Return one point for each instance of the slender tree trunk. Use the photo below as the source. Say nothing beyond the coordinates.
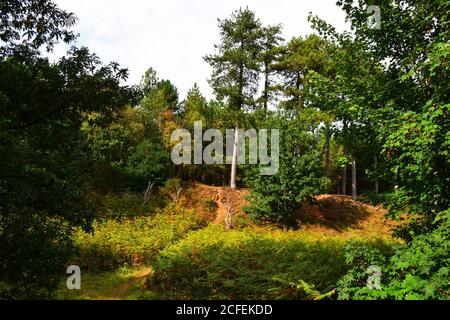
(266, 85)
(327, 152)
(344, 170)
(396, 179)
(375, 164)
(240, 103)
(344, 181)
(344, 173)
(354, 194)
(234, 159)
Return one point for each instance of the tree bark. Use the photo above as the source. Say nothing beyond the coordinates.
(344, 181)
(234, 159)
(344, 170)
(344, 173)
(266, 85)
(354, 194)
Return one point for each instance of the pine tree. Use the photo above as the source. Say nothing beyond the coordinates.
(236, 66)
(270, 53)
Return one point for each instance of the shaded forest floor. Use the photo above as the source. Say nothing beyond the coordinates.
(193, 247)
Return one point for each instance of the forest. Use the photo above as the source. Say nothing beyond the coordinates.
(355, 123)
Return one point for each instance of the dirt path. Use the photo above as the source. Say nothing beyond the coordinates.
(120, 292)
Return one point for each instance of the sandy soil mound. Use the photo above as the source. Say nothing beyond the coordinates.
(328, 214)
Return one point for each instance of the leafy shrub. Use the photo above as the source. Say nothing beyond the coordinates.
(150, 161)
(210, 204)
(129, 204)
(300, 175)
(417, 270)
(103, 176)
(171, 186)
(32, 269)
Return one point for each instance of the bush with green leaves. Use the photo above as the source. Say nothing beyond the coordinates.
(418, 270)
(150, 162)
(299, 178)
(128, 204)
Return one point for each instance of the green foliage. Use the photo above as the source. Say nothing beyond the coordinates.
(252, 263)
(270, 53)
(303, 289)
(110, 145)
(195, 108)
(132, 241)
(235, 64)
(299, 178)
(407, 103)
(412, 97)
(298, 59)
(418, 270)
(42, 108)
(127, 204)
(67, 127)
(34, 250)
(29, 31)
(210, 204)
(108, 285)
(421, 152)
(149, 161)
(159, 95)
(172, 185)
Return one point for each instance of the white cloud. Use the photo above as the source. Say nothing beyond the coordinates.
(172, 36)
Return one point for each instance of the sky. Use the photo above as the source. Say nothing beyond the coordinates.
(173, 36)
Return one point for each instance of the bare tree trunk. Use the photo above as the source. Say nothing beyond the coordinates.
(396, 179)
(375, 164)
(148, 192)
(344, 170)
(234, 159)
(354, 194)
(176, 197)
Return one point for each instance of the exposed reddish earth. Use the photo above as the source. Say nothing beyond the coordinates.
(329, 214)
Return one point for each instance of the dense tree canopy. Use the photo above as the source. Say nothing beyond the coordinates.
(43, 106)
(373, 100)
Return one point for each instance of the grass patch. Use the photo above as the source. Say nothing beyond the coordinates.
(123, 283)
